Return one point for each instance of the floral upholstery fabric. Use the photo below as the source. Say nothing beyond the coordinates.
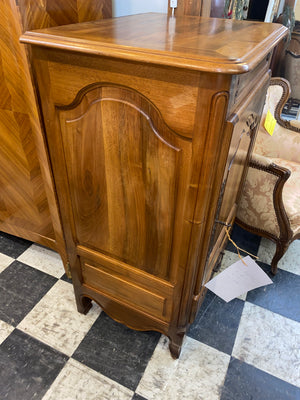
(284, 143)
(295, 123)
(291, 193)
(256, 205)
(256, 208)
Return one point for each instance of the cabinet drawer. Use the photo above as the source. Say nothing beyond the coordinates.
(124, 291)
(123, 283)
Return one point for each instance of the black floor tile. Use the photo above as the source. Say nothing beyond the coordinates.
(245, 382)
(282, 297)
(27, 367)
(245, 240)
(217, 322)
(13, 246)
(66, 279)
(138, 397)
(116, 351)
(21, 287)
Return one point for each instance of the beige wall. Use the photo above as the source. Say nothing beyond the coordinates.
(127, 7)
(297, 10)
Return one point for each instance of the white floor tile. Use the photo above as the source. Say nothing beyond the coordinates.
(198, 374)
(289, 262)
(78, 382)
(56, 321)
(270, 342)
(230, 258)
(45, 260)
(5, 261)
(5, 330)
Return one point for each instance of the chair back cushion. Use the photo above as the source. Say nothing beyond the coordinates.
(284, 143)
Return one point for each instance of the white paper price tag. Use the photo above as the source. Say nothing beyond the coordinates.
(238, 279)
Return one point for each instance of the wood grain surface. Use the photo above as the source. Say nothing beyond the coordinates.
(149, 132)
(48, 13)
(24, 209)
(214, 45)
(28, 204)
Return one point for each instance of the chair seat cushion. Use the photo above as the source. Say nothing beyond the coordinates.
(291, 193)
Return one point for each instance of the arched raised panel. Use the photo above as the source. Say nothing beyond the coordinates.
(123, 167)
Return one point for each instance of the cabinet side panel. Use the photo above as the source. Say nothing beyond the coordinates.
(242, 125)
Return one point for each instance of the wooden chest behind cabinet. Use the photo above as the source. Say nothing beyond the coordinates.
(149, 121)
(28, 206)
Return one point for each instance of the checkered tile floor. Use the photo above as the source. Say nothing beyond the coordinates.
(246, 349)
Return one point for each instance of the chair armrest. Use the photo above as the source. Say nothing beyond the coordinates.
(261, 208)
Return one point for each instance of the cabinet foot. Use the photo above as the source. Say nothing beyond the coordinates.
(84, 304)
(176, 344)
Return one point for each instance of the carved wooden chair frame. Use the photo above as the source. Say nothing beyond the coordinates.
(286, 236)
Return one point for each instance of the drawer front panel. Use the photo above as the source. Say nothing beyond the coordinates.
(126, 284)
(123, 290)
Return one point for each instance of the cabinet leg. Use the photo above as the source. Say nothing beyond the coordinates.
(84, 304)
(175, 344)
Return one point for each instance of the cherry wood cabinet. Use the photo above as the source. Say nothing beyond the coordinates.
(28, 205)
(150, 122)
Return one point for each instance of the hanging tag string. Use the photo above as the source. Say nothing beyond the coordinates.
(238, 248)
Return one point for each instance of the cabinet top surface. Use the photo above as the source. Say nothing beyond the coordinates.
(204, 44)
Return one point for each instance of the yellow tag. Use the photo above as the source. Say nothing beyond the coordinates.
(270, 123)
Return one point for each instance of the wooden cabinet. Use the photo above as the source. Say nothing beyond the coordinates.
(27, 196)
(150, 122)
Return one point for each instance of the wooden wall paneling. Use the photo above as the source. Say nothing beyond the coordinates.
(193, 7)
(47, 13)
(188, 7)
(28, 204)
(206, 8)
(24, 209)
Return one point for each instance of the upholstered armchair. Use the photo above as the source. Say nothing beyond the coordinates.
(270, 201)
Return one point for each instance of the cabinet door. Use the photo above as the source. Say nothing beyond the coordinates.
(243, 123)
(126, 184)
